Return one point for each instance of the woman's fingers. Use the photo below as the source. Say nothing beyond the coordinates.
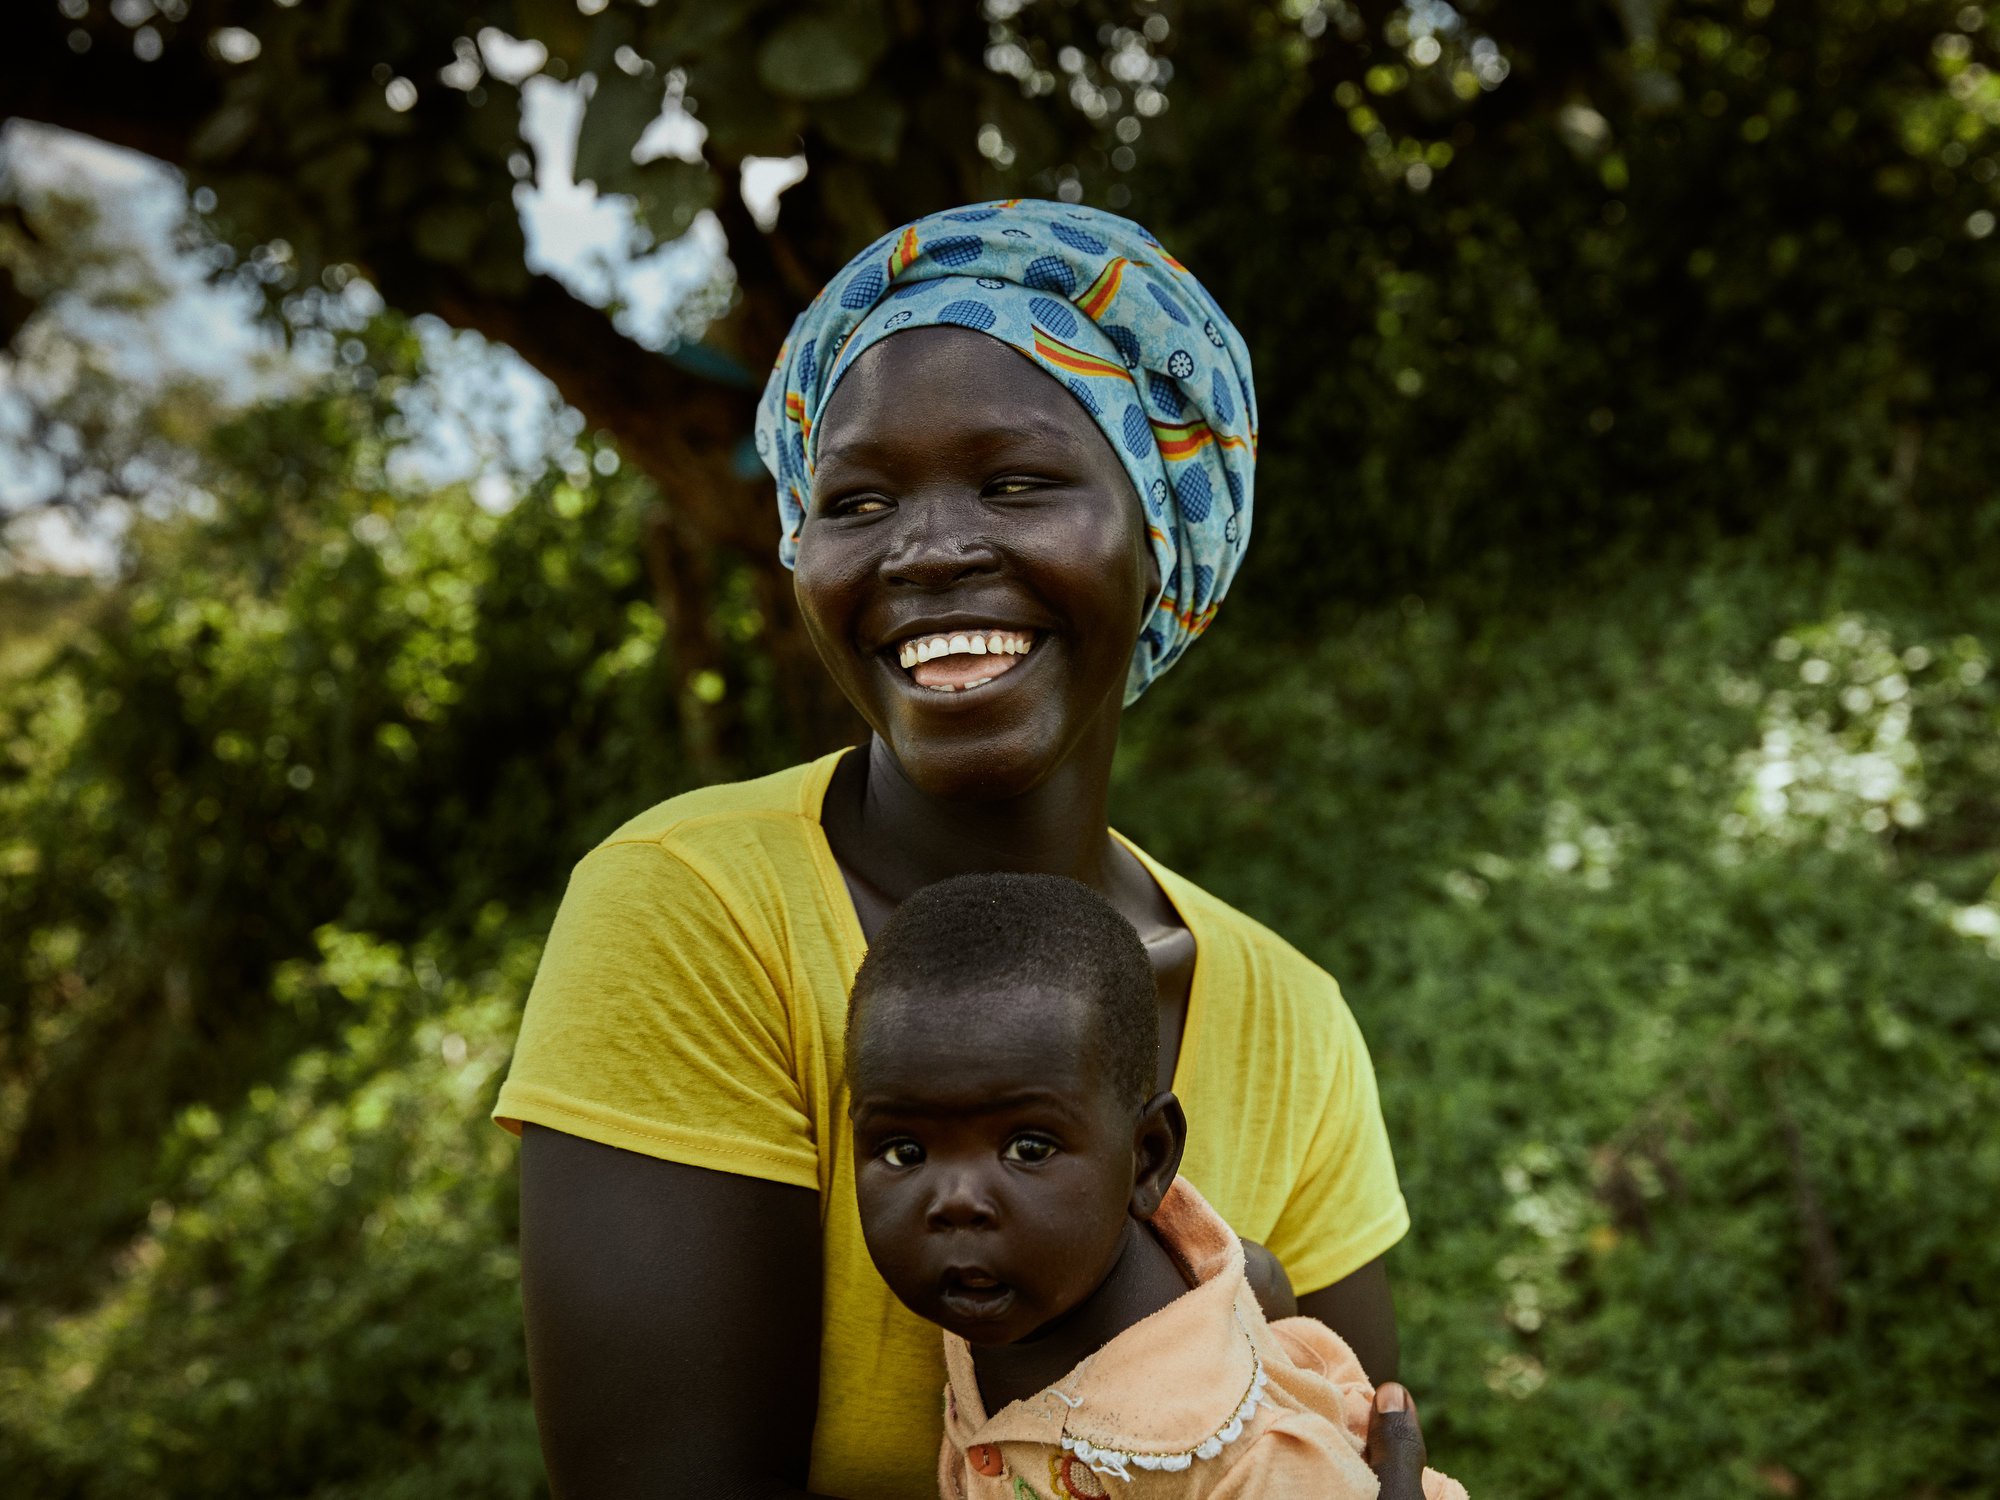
(1396, 1444)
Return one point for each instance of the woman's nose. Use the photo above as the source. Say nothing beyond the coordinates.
(959, 1200)
(939, 540)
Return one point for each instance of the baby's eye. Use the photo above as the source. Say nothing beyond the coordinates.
(1029, 1150)
(902, 1153)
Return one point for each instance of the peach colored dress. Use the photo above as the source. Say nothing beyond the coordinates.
(1205, 1399)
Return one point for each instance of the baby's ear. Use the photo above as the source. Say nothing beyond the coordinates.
(1158, 1137)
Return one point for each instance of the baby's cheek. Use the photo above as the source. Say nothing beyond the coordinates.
(1080, 1232)
(880, 1227)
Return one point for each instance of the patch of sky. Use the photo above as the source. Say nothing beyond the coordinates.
(594, 244)
(149, 314)
(135, 319)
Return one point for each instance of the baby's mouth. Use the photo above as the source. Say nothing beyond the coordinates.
(974, 1296)
(963, 659)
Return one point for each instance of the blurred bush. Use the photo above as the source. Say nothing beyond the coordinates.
(326, 1300)
(1672, 916)
(322, 704)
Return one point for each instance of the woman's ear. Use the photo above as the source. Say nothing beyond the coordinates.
(1158, 1137)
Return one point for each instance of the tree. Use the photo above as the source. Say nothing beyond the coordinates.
(376, 137)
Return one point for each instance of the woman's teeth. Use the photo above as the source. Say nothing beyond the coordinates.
(980, 643)
(970, 659)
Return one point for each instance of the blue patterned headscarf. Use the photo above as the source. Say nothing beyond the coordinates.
(1092, 299)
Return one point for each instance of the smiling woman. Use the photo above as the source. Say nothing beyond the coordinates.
(1013, 447)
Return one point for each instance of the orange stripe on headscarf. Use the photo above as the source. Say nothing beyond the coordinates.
(904, 253)
(1180, 439)
(1097, 296)
(1188, 619)
(795, 408)
(1056, 352)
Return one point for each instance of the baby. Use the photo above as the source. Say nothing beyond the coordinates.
(1015, 1173)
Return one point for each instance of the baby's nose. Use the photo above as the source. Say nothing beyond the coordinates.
(960, 1200)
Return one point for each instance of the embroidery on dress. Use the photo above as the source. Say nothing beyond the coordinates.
(1118, 1461)
(1073, 1479)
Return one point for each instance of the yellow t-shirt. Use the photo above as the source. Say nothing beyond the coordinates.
(692, 1003)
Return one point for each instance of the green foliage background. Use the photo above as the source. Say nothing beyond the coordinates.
(1610, 702)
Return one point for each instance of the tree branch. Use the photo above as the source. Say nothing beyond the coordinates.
(679, 428)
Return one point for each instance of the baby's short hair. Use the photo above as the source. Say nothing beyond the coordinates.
(984, 933)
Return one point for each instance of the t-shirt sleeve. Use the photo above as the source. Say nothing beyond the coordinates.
(1347, 1207)
(654, 1026)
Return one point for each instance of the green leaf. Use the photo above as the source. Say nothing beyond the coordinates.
(869, 125)
(499, 266)
(671, 33)
(449, 231)
(222, 132)
(742, 118)
(670, 192)
(616, 117)
(556, 24)
(331, 176)
(820, 56)
(493, 128)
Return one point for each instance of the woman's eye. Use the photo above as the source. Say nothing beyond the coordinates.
(1013, 486)
(902, 1153)
(1030, 1150)
(859, 505)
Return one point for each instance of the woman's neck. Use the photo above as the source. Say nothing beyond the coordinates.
(1143, 1279)
(896, 838)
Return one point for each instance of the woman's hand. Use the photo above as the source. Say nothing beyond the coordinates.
(1396, 1444)
(1395, 1448)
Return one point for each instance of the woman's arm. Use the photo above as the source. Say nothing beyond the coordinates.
(673, 1324)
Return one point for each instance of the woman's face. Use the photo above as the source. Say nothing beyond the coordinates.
(963, 500)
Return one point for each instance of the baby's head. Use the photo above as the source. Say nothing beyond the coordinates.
(1001, 1050)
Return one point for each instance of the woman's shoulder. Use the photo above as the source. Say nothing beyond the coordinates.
(722, 853)
(788, 799)
(722, 876)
